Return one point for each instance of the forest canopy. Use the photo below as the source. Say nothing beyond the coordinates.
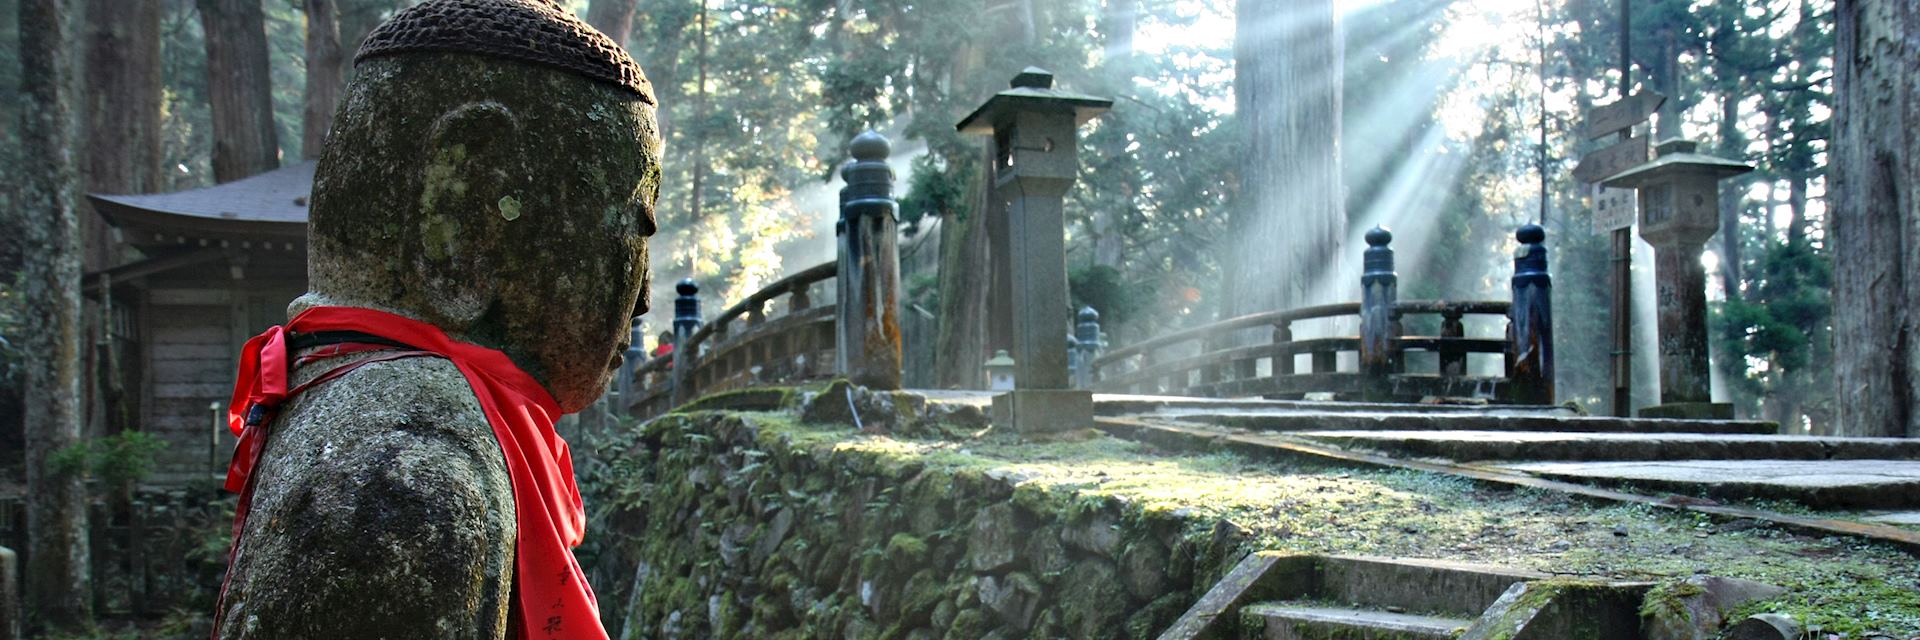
(1452, 112)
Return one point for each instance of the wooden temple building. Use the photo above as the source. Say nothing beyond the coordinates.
(214, 266)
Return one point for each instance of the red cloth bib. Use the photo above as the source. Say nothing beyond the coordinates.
(552, 598)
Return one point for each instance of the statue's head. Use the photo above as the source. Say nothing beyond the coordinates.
(492, 170)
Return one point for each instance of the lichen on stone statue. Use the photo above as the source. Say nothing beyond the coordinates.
(501, 191)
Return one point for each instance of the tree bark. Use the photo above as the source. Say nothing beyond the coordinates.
(323, 75)
(612, 17)
(57, 588)
(1875, 178)
(122, 118)
(966, 272)
(123, 97)
(240, 88)
(1288, 59)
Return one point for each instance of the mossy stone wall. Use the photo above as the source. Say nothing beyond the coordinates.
(736, 525)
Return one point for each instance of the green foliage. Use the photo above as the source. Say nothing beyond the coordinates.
(117, 460)
(1101, 287)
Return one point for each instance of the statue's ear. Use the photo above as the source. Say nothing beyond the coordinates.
(473, 181)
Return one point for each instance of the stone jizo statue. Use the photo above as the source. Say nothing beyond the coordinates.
(479, 231)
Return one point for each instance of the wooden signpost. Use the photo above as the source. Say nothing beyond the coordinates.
(1629, 153)
(1623, 114)
(1614, 213)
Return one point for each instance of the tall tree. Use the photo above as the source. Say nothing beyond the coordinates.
(1288, 62)
(323, 76)
(123, 96)
(968, 277)
(122, 111)
(240, 89)
(1119, 19)
(1875, 215)
(57, 577)
(612, 17)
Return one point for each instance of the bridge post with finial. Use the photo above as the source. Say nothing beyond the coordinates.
(686, 320)
(630, 360)
(1530, 320)
(867, 318)
(1380, 289)
(1033, 128)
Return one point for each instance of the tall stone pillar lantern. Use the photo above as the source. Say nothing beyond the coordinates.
(1679, 193)
(1032, 127)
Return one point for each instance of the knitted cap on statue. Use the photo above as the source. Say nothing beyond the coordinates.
(478, 231)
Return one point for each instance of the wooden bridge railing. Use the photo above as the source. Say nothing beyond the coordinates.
(856, 335)
(745, 345)
(1216, 360)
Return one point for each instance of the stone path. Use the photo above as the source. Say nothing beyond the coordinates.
(1717, 459)
(1469, 445)
(1692, 464)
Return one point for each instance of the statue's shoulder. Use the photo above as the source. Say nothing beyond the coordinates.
(388, 416)
(422, 396)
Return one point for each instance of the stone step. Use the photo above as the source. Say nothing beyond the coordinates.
(1564, 446)
(1274, 594)
(1399, 421)
(1303, 621)
(1820, 484)
(1413, 584)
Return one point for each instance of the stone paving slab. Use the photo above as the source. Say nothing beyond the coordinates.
(1122, 404)
(1822, 484)
(1300, 420)
(1567, 446)
(1117, 404)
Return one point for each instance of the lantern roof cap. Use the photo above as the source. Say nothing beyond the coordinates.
(1676, 156)
(1000, 359)
(1032, 90)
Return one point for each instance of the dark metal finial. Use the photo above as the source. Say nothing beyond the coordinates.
(1379, 236)
(870, 146)
(1530, 233)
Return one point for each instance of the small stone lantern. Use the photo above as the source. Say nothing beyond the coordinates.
(1679, 192)
(1000, 371)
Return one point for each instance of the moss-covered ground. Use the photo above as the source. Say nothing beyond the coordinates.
(1841, 586)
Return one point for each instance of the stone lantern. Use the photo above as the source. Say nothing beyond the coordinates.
(1679, 192)
(1000, 371)
(1033, 128)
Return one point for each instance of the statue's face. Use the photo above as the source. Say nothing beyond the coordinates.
(507, 203)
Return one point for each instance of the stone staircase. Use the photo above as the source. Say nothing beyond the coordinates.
(1280, 596)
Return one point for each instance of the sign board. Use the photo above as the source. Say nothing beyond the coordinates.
(1612, 160)
(1622, 114)
(1613, 208)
